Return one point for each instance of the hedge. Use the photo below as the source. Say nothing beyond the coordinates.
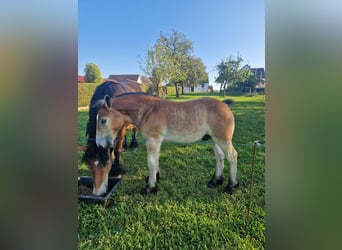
(86, 90)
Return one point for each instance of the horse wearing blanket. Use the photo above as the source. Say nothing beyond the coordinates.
(160, 120)
(103, 162)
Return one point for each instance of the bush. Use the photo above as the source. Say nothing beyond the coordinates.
(86, 90)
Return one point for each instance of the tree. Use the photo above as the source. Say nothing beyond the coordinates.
(176, 49)
(168, 60)
(92, 73)
(249, 82)
(229, 73)
(196, 73)
(153, 66)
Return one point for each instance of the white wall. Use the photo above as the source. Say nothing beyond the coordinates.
(198, 88)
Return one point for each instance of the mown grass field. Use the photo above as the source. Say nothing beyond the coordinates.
(185, 213)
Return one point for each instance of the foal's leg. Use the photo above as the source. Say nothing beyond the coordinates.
(218, 176)
(231, 155)
(153, 149)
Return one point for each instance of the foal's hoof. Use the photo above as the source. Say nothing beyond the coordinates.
(148, 190)
(214, 183)
(230, 188)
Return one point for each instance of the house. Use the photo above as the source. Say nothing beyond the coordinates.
(203, 87)
(143, 80)
(81, 79)
(259, 74)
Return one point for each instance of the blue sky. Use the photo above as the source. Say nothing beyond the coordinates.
(114, 34)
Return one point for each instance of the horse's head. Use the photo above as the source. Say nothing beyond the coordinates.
(108, 123)
(99, 162)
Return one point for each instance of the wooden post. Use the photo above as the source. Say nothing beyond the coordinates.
(251, 181)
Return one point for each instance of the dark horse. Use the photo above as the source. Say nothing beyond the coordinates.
(101, 161)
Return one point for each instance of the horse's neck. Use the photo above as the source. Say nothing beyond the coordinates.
(131, 108)
(134, 108)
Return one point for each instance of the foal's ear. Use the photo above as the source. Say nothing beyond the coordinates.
(107, 102)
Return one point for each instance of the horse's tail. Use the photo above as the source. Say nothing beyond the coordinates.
(229, 102)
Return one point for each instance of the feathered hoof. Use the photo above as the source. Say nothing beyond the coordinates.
(214, 183)
(148, 190)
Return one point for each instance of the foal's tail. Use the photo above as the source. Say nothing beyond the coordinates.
(229, 102)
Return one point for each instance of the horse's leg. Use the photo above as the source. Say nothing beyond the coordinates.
(134, 141)
(157, 176)
(124, 144)
(117, 167)
(217, 179)
(153, 149)
(122, 139)
(231, 155)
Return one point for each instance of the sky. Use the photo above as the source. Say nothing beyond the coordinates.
(115, 34)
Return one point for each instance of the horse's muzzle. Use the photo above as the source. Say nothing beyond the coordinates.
(104, 141)
(102, 189)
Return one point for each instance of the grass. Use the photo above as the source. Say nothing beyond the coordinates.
(184, 214)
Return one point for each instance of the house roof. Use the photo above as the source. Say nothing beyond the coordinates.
(124, 77)
(81, 79)
(131, 77)
(258, 72)
(145, 80)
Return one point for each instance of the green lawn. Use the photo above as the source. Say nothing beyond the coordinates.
(184, 214)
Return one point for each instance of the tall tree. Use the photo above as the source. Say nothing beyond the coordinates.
(153, 66)
(196, 72)
(229, 73)
(167, 59)
(175, 49)
(92, 73)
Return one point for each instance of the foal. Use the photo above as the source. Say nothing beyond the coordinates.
(160, 120)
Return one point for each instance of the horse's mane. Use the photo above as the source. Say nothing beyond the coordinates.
(130, 94)
(94, 152)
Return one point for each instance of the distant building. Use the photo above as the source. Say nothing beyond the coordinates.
(143, 80)
(81, 79)
(203, 87)
(259, 74)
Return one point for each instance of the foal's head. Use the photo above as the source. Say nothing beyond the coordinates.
(108, 124)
